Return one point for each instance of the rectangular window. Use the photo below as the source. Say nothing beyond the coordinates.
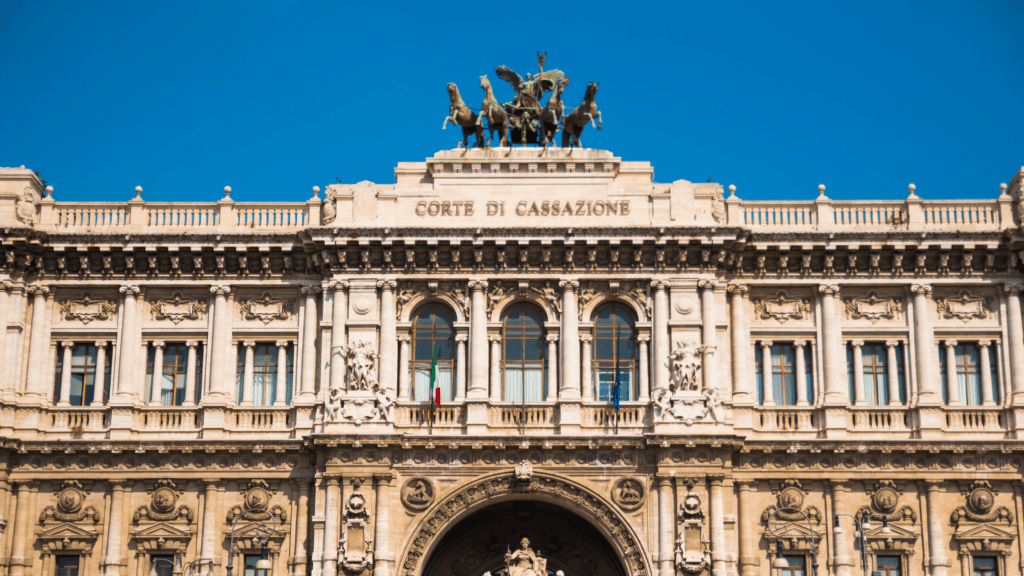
(968, 372)
(783, 372)
(888, 566)
(83, 375)
(250, 564)
(170, 385)
(67, 565)
(797, 566)
(266, 358)
(985, 566)
(875, 377)
(162, 565)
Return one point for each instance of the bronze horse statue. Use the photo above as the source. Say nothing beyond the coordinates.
(459, 113)
(551, 116)
(577, 120)
(491, 109)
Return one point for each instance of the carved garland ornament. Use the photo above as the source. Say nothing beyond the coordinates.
(782, 308)
(70, 498)
(255, 497)
(981, 499)
(265, 309)
(873, 307)
(466, 497)
(791, 495)
(86, 309)
(178, 308)
(964, 306)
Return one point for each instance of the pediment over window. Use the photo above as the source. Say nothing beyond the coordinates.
(794, 538)
(899, 540)
(985, 538)
(67, 539)
(249, 536)
(162, 538)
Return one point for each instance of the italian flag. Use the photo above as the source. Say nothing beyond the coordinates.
(435, 392)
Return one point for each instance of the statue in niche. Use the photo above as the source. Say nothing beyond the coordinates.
(361, 359)
(524, 561)
(685, 364)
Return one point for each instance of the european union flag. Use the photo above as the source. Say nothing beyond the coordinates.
(617, 388)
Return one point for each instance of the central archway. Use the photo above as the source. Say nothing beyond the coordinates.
(478, 543)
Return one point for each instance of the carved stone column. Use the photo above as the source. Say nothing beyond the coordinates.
(893, 372)
(331, 526)
(339, 314)
(842, 544)
(570, 360)
(660, 335)
(937, 541)
(100, 388)
(388, 337)
(403, 367)
(836, 389)
(858, 373)
(247, 374)
(708, 331)
(20, 562)
(208, 544)
(310, 320)
(552, 362)
(495, 340)
(219, 354)
(746, 522)
(113, 560)
(460, 367)
(718, 550)
(382, 545)
(588, 376)
(666, 525)
(952, 390)
(158, 373)
(65, 375)
(281, 390)
(1016, 342)
(478, 342)
(986, 373)
(801, 373)
(741, 381)
(645, 385)
(38, 347)
(5, 292)
(299, 544)
(766, 373)
(928, 392)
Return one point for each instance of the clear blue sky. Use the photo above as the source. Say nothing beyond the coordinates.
(272, 97)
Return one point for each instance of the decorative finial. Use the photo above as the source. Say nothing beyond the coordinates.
(138, 191)
(316, 191)
(227, 191)
(821, 189)
(732, 190)
(49, 191)
(1002, 188)
(911, 188)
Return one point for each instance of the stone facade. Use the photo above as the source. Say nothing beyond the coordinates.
(778, 364)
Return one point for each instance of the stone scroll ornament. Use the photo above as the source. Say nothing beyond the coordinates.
(355, 551)
(873, 307)
(266, 308)
(178, 308)
(86, 309)
(692, 555)
(964, 306)
(70, 498)
(163, 498)
(782, 308)
(25, 207)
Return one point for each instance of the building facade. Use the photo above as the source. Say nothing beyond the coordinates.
(641, 379)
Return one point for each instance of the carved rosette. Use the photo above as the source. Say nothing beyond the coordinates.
(163, 498)
(86, 309)
(782, 308)
(964, 307)
(178, 308)
(266, 308)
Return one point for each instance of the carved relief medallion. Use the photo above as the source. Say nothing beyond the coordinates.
(885, 496)
(86, 309)
(782, 308)
(964, 306)
(981, 500)
(70, 498)
(163, 498)
(178, 308)
(628, 494)
(417, 494)
(873, 307)
(791, 496)
(266, 308)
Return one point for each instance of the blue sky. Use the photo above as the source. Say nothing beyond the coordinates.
(273, 97)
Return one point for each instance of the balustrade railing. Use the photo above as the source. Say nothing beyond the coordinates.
(786, 419)
(527, 416)
(167, 419)
(880, 419)
(250, 418)
(77, 420)
(420, 416)
(635, 417)
(88, 216)
(779, 215)
(975, 419)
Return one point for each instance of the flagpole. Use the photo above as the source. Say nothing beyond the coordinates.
(433, 375)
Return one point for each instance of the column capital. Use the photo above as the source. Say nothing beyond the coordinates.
(839, 485)
(7, 286)
(211, 483)
(1014, 288)
(892, 343)
(40, 290)
(857, 343)
(552, 337)
(984, 343)
(643, 338)
(932, 485)
(799, 343)
(569, 285)
(737, 289)
(586, 338)
(494, 337)
(220, 290)
(950, 343)
(100, 343)
(158, 344)
(477, 284)
(664, 480)
(462, 337)
(120, 483)
(333, 480)
(707, 285)
(746, 485)
(337, 285)
(920, 289)
(659, 284)
(249, 343)
(383, 479)
(716, 479)
(387, 284)
(191, 343)
(829, 289)
(313, 290)
(766, 343)
(404, 338)
(282, 343)
(67, 344)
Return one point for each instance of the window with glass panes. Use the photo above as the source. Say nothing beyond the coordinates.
(797, 566)
(67, 565)
(614, 353)
(523, 357)
(888, 566)
(162, 565)
(968, 372)
(84, 387)
(783, 366)
(875, 378)
(433, 332)
(171, 384)
(266, 359)
(250, 561)
(985, 566)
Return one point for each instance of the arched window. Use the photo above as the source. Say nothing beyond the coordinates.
(433, 332)
(614, 352)
(522, 356)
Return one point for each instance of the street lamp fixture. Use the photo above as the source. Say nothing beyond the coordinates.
(785, 530)
(862, 525)
(263, 533)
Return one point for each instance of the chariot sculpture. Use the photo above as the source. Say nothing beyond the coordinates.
(524, 120)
